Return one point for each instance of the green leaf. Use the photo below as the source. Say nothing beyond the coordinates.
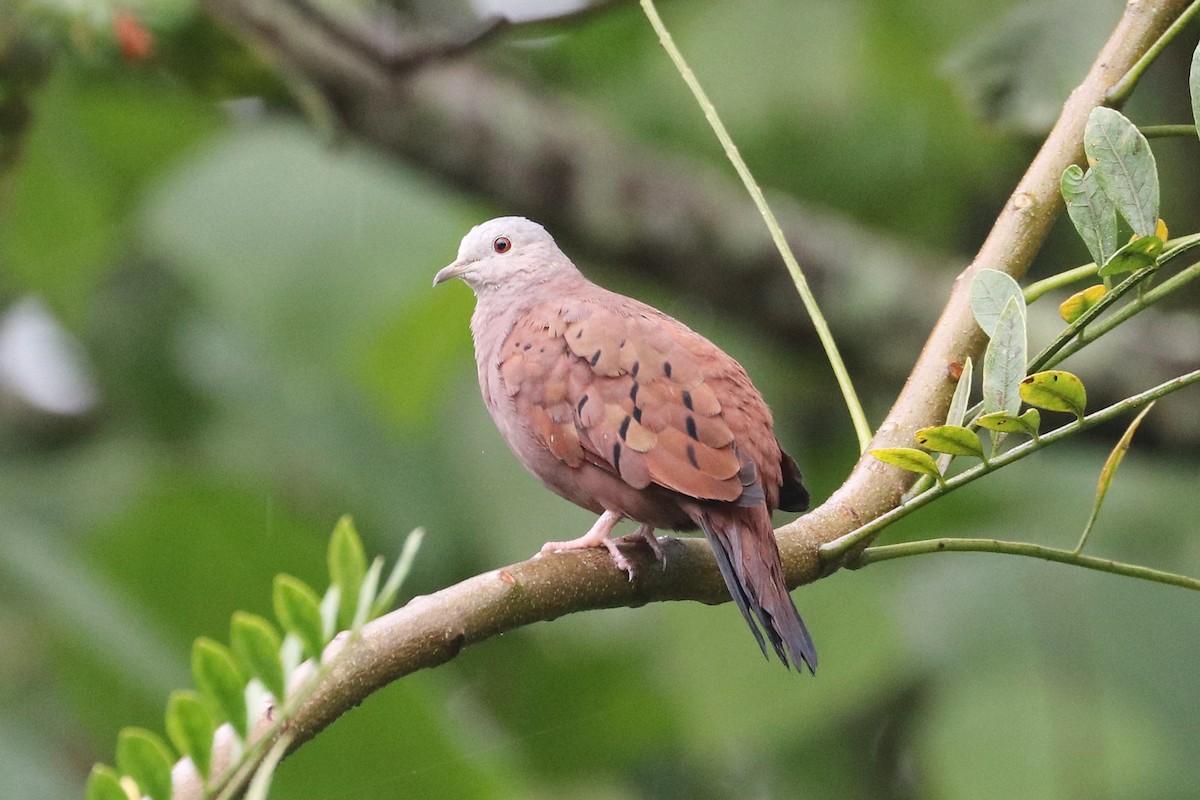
(1194, 83)
(190, 728)
(217, 675)
(366, 595)
(105, 784)
(1074, 306)
(952, 439)
(1109, 471)
(1055, 390)
(144, 757)
(990, 292)
(260, 784)
(1004, 362)
(957, 414)
(1091, 211)
(1027, 423)
(256, 644)
(1124, 166)
(1139, 253)
(908, 458)
(391, 587)
(347, 566)
(299, 609)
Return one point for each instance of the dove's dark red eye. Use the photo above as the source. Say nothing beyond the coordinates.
(502, 244)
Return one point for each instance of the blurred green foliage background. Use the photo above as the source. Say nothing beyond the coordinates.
(238, 343)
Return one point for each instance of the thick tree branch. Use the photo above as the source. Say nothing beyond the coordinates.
(433, 629)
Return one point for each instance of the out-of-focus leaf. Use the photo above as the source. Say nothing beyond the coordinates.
(190, 728)
(1139, 253)
(1074, 306)
(957, 413)
(260, 784)
(216, 674)
(1124, 165)
(256, 644)
(367, 594)
(1004, 362)
(908, 458)
(1004, 422)
(1092, 212)
(144, 757)
(953, 440)
(347, 566)
(93, 143)
(299, 609)
(1055, 390)
(1109, 471)
(105, 784)
(1194, 85)
(1016, 70)
(991, 291)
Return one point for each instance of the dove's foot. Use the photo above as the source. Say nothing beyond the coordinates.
(598, 536)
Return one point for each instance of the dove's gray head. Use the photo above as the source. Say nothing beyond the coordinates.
(506, 251)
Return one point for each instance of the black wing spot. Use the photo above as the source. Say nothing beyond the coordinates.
(595, 357)
(528, 345)
(633, 390)
(624, 427)
(617, 456)
(667, 368)
(579, 335)
(637, 414)
(691, 453)
(691, 428)
(579, 406)
(687, 400)
(634, 369)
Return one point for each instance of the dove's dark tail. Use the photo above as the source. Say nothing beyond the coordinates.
(744, 542)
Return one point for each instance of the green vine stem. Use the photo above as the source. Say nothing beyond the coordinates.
(1165, 131)
(887, 552)
(1121, 90)
(1035, 290)
(859, 418)
(836, 550)
(1143, 301)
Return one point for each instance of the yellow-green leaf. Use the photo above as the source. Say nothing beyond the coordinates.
(299, 609)
(105, 784)
(216, 674)
(190, 728)
(1055, 390)
(952, 439)
(347, 566)
(1027, 423)
(256, 644)
(1109, 471)
(1073, 307)
(1139, 253)
(144, 757)
(908, 458)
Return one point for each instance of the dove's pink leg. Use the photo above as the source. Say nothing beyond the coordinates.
(598, 536)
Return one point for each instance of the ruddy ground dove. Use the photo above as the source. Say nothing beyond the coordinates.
(627, 412)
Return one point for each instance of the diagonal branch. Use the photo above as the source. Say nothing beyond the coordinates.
(433, 629)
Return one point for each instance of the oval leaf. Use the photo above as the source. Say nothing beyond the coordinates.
(190, 728)
(1027, 423)
(1139, 253)
(1004, 362)
(1055, 390)
(954, 440)
(957, 414)
(1073, 307)
(1091, 211)
(144, 757)
(908, 458)
(1194, 83)
(347, 566)
(217, 675)
(299, 610)
(990, 292)
(1124, 166)
(104, 784)
(256, 644)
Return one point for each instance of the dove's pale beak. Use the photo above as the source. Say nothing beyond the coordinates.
(450, 271)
